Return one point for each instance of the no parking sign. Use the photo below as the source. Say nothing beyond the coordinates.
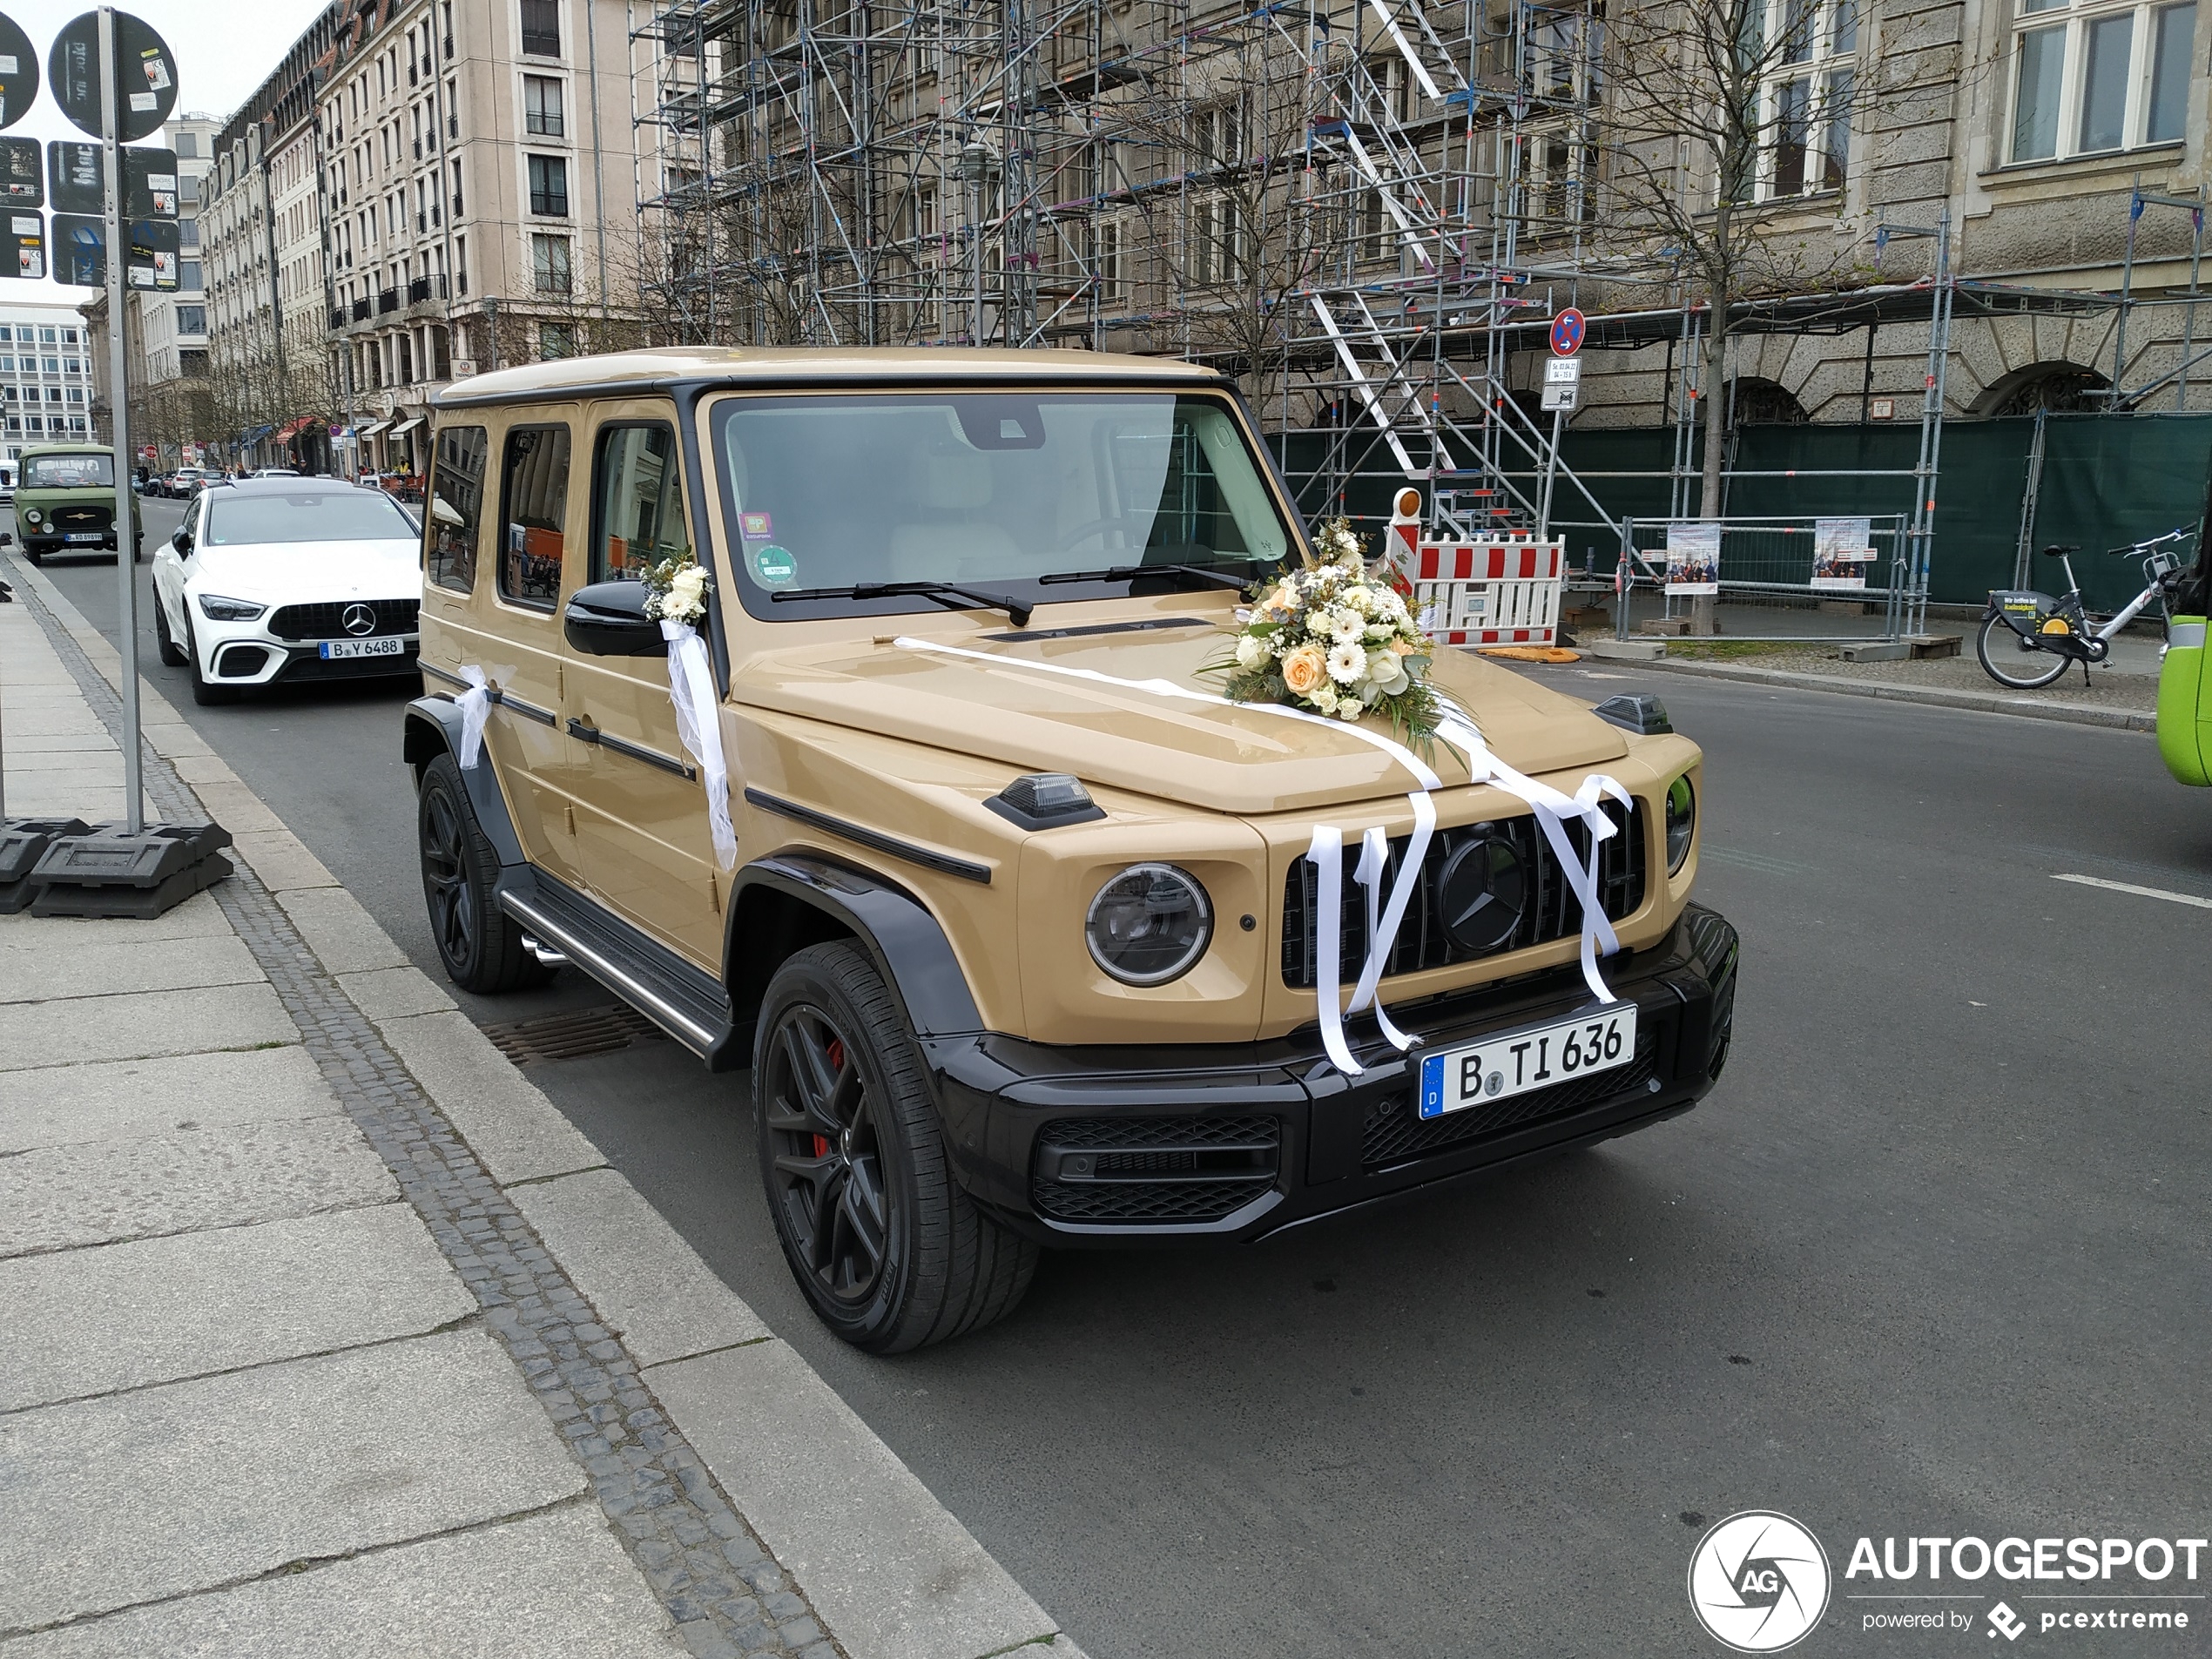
(1567, 333)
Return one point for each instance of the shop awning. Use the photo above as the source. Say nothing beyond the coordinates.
(257, 435)
(286, 433)
(405, 427)
(372, 429)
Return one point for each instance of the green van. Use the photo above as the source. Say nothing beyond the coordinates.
(65, 500)
(2184, 687)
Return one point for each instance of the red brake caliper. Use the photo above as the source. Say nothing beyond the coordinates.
(837, 1063)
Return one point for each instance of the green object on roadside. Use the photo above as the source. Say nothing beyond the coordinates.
(2185, 704)
(65, 500)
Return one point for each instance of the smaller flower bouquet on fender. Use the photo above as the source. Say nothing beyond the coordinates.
(675, 588)
(1335, 637)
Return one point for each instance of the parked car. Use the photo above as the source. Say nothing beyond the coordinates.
(186, 481)
(276, 472)
(1023, 938)
(280, 579)
(65, 501)
(7, 482)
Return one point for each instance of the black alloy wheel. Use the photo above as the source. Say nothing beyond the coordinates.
(478, 942)
(888, 1249)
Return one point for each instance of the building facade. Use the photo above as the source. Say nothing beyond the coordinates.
(45, 378)
(424, 188)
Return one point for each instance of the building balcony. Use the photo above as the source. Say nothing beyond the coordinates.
(388, 301)
(338, 317)
(360, 310)
(425, 288)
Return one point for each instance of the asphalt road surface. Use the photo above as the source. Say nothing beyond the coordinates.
(1931, 1259)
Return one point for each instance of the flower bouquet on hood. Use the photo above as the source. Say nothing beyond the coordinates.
(1335, 637)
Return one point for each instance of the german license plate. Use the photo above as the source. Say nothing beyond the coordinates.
(85, 535)
(388, 646)
(1513, 1063)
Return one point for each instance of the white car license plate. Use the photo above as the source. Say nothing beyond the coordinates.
(85, 535)
(1513, 1063)
(390, 646)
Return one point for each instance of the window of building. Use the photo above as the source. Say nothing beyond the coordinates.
(191, 320)
(188, 232)
(550, 263)
(550, 185)
(188, 275)
(636, 501)
(45, 336)
(556, 339)
(69, 336)
(1807, 53)
(542, 106)
(541, 28)
(188, 144)
(1113, 262)
(2089, 77)
(53, 365)
(534, 497)
(456, 508)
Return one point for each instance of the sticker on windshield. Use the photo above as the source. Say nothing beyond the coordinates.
(775, 565)
(757, 527)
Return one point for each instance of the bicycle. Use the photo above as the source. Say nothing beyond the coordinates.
(2028, 639)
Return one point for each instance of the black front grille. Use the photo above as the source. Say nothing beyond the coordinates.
(328, 621)
(1155, 1171)
(82, 518)
(1550, 913)
(1394, 1134)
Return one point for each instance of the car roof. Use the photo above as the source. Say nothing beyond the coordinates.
(293, 486)
(66, 450)
(638, 371)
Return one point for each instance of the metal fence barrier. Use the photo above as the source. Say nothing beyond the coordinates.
(1767, 566)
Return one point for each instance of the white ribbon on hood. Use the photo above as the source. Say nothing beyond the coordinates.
(690, 688)
(1550, 807)
(474, 704)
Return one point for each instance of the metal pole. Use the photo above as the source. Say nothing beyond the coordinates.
(1551, 472)
(2189, 316)
(2126, 295)
(118, 401)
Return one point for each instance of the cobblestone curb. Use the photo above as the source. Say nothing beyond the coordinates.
(725, 1593)
(1979, 702)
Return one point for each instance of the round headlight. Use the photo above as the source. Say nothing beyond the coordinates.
(1149, 925)
(1681, 821)
(31, 515)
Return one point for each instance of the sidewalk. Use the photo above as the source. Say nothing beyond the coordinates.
(325, 1333)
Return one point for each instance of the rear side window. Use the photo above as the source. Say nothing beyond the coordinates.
(637, 501)
(456, 508)
(534, 497)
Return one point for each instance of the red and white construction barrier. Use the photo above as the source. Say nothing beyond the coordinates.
(1500, 589)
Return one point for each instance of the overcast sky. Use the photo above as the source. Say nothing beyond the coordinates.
(223, 49)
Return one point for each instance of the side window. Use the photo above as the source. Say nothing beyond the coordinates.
(456, 508)
(534, 497)
(637, 501)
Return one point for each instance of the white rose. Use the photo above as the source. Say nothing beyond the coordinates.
(1251, 652)
(687, 591)
(1361, 599)
(1383, 666)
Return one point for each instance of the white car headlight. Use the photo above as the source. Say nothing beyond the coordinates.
(216, 608)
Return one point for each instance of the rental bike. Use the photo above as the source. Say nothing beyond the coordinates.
(2028, 639)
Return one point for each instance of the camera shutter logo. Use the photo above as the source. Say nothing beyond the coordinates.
(1759, 1582)
(359, 620)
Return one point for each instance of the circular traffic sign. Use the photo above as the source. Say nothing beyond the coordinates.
(18, 73)
(145, 76)
(1567, 333)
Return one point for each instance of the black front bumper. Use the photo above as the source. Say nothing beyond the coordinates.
(1110, 1146)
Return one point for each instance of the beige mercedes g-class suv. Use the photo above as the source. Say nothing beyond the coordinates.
(1025, 938)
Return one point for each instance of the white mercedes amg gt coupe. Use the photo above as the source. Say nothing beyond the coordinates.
(288, 579)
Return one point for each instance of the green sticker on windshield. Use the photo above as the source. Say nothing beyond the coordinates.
(774, 566)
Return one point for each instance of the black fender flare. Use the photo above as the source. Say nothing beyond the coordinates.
(433, 726)
(896, 929)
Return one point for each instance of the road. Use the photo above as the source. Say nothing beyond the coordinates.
(1930, 1260)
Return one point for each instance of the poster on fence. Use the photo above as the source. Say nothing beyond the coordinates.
(1693, 558)
(1841, 551)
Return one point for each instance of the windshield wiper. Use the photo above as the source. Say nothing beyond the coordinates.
(942, 592)
(1213, 574)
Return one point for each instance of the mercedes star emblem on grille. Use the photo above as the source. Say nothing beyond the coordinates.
(1481, 893)
(359, 620)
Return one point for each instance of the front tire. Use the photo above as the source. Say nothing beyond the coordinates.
(172, 655)
(2011, 661)
(887, 1248)
(478, 942)
(205, 691)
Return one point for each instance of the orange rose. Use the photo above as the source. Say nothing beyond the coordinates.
(1305, 669)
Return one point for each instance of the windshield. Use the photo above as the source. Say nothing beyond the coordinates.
(999, 489)
(69, 472)
(309, 516)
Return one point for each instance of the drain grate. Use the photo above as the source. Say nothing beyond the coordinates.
(573, 1034)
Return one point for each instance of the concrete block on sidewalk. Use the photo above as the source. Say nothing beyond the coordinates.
(106, 1191)
(108, 965)
(281, 861)
(648, 1286)
(81, 1322)
(517, 1133)
(393, 993)
(169, 1490)
(1627, 651)
(119, 1100)
(892, 1573)
(1875, 651)
(556, 1586)
(342, 935)
(79, 1028)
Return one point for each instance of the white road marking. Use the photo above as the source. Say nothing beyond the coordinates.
(2146, 893)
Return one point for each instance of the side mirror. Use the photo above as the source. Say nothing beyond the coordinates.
(182, 539)
(609, 619)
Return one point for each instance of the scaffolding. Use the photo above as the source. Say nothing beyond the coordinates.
(1345, 202)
